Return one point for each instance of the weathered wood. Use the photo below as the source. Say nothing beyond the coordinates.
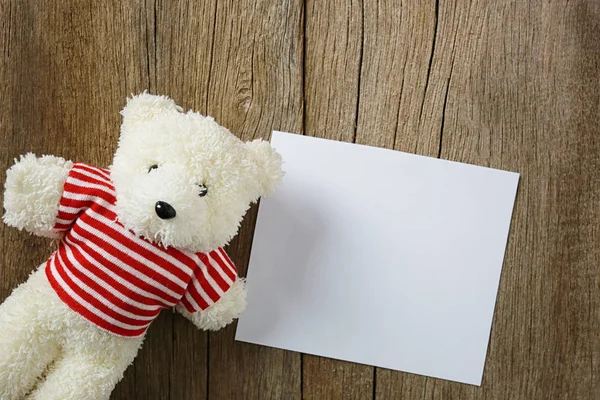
(417, 57)
(398, 105)
(66, 69)
(255, 86)
(511, 85)
(180, 60)
(521, 89)
(333, 48)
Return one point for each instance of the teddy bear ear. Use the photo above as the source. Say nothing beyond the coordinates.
(146, 106)
(268, 162)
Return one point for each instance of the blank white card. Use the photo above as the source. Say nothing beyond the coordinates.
(379, 257)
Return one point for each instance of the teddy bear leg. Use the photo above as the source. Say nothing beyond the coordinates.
(27, 346)
(89, 369)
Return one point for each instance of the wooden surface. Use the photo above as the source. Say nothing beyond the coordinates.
(511, 85)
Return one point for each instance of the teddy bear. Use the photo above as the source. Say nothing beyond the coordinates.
(145, 234)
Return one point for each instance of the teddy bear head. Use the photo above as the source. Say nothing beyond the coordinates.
(182, 179)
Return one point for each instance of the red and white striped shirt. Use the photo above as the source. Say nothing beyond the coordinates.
(115, 279)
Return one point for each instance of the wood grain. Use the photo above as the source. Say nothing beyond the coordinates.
(521, 94)
(398, 83)
(66, 69)
(511, 85)
(333, 48)
(179, 64)
(255, 86)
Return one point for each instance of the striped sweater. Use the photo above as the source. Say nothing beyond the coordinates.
(115, 279)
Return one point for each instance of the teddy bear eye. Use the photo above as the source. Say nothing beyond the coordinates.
(154, 166)
(203, 191)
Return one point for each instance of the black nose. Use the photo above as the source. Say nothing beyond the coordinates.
(164, 210)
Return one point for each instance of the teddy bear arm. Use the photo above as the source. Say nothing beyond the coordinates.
(33, 189)
(221, 313)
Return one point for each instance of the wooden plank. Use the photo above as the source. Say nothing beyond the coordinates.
(399, 100)
(522, 94)
(66, 69)
(400, 109)
(255, 86)
(184, 44)
(180, 63)
(512, 86)
(539, 98)
(333, 48)
(417, 58)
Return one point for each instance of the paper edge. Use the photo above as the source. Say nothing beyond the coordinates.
(516, 176)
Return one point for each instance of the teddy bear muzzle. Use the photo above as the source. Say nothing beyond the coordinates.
(164, 210)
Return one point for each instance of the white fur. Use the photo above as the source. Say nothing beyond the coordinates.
(221, 313)
(48, 351)
(190, 149)
(32, 192)
(39, 334)
(146, 106)
(269, 165)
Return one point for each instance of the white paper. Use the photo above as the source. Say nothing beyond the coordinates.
(379, 257)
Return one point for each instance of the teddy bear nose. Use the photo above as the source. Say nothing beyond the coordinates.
(164, 210)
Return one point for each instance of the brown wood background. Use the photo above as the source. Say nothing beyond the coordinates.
(512, 85)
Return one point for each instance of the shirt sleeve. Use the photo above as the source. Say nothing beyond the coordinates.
(211, 279)
(81, 190)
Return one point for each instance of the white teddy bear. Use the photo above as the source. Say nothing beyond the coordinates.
(143, 235)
